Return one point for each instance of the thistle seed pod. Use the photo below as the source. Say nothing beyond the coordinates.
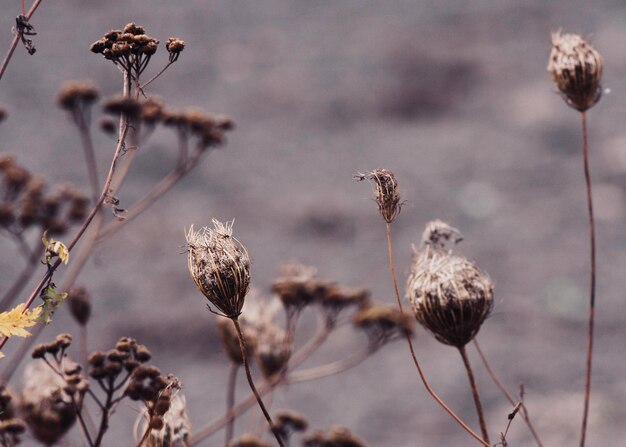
(576, 69)
(450, 296)
(386, 192)
(220, 266)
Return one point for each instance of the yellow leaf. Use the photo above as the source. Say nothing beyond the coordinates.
(57, 248)
(15, 321)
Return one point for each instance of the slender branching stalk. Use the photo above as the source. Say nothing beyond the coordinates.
(16, 38)
(592, 284)
(230, 400)
(433, 394)
(507, 395)
(246, 366)
(479, 407)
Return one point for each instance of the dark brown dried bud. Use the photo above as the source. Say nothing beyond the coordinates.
(220, 266)
(386, 192)
(98, 373)
(112, 35)
(96, 358)
(64, 340)
(80, 304)
(145, 372)
(116, 355)
(451, 297)
(120, 49)
(107, 125)
(135, 29)
(230, 340)
(40, 351)
(112, 369)
(576, 69)
(12, 427)
(161, 407)
(131, 364)
(122, 104)
(174, 45)
(125, 344)
(342, 437)
(272, 350)
(98, 46)
(383, 323)
(75, 94)
(77, 210)
(287, 422)
(142, 354)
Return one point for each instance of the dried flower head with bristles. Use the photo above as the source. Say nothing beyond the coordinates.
(383, 324)
(249, 441)
(576, 69)
(220, 266)
(386, 192)
(451, 297)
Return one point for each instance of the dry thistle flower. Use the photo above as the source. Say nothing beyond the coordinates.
(45, 405)
(77, 94)
(249, 441)
(386, 192)
(220, 266)
(450, 296)
(576, 69)
(383, 324)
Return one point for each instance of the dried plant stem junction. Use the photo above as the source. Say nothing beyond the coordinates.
(434, 395)
(592, 286)
(246, 366)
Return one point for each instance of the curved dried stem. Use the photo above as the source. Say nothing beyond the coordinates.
(414, 356)
(475, 394)
(507, 395)
(592, 284)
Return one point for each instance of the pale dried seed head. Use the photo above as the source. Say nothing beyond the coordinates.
(576, 69)
(450, 296)
(386, 192)
(220, 266)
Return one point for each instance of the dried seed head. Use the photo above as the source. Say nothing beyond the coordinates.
(220, 266)
(45, 405)
(80, 304)
(576, 69)
(249, 441)
(450, 296)
(77, 94)
(383, 324)
(386, 192)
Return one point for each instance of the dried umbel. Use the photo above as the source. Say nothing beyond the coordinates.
(450, 296)
(220, 266)
(383, 324)
(386, 192)
(45, 405)
(576, 69)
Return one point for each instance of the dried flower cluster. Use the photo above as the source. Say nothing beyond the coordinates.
(450, 296)
(11, 427)
(126, 356)
(220, 266)
(26, 203)
(386, 192)
(335, 437)
(576, 69)
(383, 324)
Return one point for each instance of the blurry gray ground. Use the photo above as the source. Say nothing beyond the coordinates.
(454, 99)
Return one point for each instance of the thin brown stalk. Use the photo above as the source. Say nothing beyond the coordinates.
(507, 395)
(592, 285)
(16, 38)
(141, 88)
(332, 368)
(230, 400)
(246, 366)
(479, 407)
(434, 395)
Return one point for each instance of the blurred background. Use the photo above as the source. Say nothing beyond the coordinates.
(454, 98)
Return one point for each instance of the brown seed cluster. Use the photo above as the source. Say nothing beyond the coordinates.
(386, 192)
(25, 202)
(383, 324)
(174, 47)
(220, 266)
(576, 69)
(126, 356)
(287, 422)
(298, 287)
(450, 296)
(11, 427)
(131, 48)
(335, 437)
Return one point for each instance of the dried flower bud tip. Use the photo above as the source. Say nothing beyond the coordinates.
(576, 69)
(386, 192)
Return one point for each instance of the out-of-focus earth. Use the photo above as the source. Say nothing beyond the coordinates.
(453, 97)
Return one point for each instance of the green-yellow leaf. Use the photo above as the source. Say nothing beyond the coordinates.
(15, 321)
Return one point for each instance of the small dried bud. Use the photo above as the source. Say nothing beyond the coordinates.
(220, 266)
(39, 351)
(64, 340)
(80, 304)
(75, 94)
(286, 422)
(7, 214)
(98, 46)
(386, 192)
(342, 437)
(174, 45)
(96, 358)
(152, 111)
(142, 354)
(450, 296)
(107, 125)
(3, 113)
(576, 69)
(125, 344)
(132, 28)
